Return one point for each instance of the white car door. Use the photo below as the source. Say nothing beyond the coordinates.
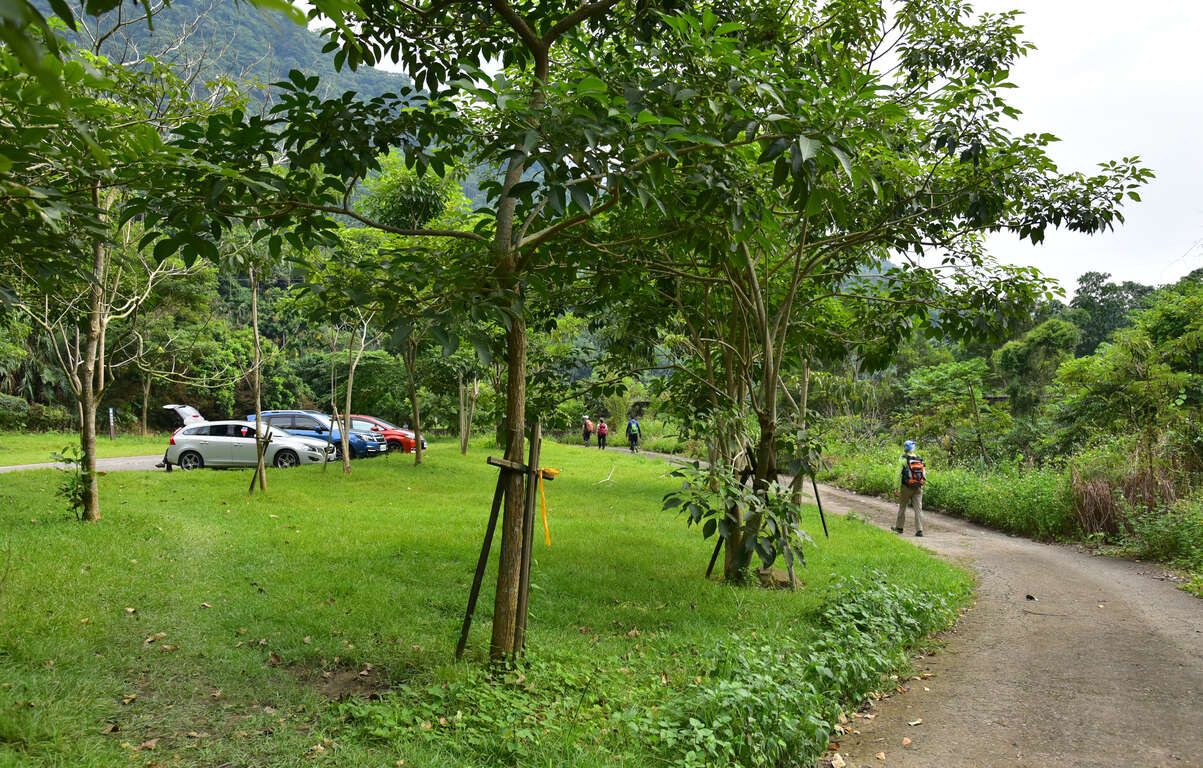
(242, 444)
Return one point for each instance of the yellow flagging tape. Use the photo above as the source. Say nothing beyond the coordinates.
(543, 496)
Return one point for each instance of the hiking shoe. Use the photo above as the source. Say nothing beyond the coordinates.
(918, 533)
(896, 530)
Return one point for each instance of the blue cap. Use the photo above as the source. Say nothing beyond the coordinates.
(909, 445)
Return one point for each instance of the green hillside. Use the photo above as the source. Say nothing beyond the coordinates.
(241, 42)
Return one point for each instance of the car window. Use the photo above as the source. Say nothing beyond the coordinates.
(305, 422)
(361, 425)
(196, 431)
(283, 422)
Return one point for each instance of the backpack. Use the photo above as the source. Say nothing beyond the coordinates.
(601, 429)
(588, 425)
(913, 475)
(633, 427)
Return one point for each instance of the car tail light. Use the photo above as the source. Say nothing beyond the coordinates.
(171, 441)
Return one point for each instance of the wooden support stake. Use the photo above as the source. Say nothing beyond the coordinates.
(514, 466)
(718, 547)
(498, 495)
(819, 503)
(528, 536)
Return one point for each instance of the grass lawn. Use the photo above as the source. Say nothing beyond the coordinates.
(36, 447)
(195, 626)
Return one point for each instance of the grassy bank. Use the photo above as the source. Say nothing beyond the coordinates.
(196, 626)
(37, 447)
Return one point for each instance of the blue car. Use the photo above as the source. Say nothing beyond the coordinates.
(316, 424)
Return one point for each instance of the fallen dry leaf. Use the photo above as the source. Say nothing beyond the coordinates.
(663, 678)
(110, 728)
(837, 761)
(149, 744)
(905, 741)
(307, 640)
(275, 659)
(880, 755)
(84, 621)
(156, 637)
(634, 632)
(131, 610)
(205, 605)
(168, 648)
(916, 721)
(128, 698)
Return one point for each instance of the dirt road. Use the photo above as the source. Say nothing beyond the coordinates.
(1103, 669)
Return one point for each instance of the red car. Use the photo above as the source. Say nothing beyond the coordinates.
(398, 439)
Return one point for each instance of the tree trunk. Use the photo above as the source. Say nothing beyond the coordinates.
(87, 464)
(463, 413)
(505, 606)
(91, 380)
(344, 432)
(467, 410)
(145, 402)
(257, 379)
(411, 361)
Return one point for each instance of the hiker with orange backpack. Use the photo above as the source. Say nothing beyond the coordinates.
(913, 476)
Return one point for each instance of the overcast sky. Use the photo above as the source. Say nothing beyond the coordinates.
(1114, 79)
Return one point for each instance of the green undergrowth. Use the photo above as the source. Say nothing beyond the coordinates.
(37, 447)
(194, 625)
(1037, 503)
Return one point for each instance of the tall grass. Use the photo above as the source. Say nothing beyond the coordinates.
(1036, 503)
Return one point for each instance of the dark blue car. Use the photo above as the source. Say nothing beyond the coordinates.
(315, 424)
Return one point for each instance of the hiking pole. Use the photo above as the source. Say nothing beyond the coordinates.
(819, 502)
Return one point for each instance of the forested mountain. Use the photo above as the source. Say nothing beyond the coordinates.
(223, 38)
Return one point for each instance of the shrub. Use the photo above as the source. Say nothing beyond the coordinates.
(14, 412)
(1172, 534)
(768, 704)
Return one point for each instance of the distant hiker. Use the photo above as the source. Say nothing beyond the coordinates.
(913, 475)
(587, 430)
(633, 434)
(602, 431)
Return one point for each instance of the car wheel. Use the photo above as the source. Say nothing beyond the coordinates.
(286, 459)
(395, 447)
(338, 452)
(190, 460)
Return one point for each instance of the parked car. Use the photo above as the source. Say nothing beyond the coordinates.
(317, 425)
(232, 444)
(398, 439)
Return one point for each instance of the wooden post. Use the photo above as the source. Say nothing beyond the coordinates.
(480, 565)
(528, 535)
(819, 503)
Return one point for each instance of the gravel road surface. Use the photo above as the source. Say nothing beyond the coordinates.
(1103, 669)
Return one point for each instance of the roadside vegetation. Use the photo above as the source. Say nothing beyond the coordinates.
(1086, 427)
(318, 621)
